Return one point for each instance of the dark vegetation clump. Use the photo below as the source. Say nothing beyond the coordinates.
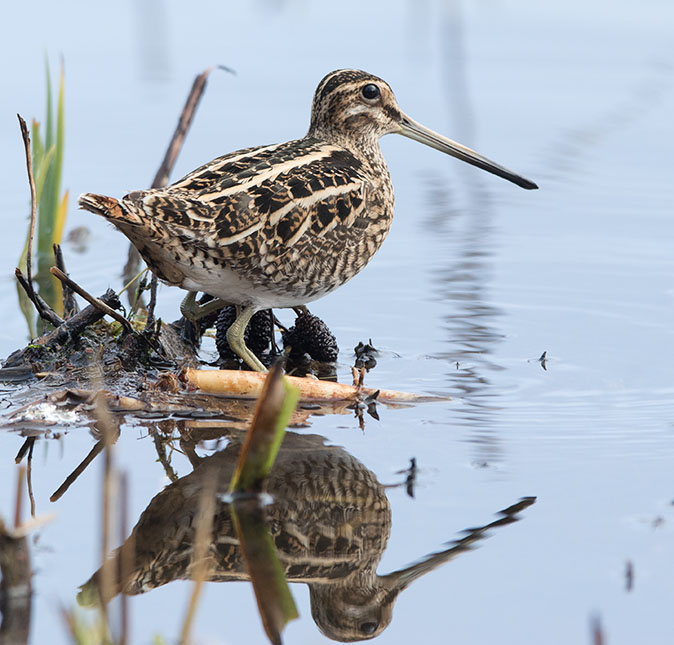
(310, 335)
(365, 355)
(258, 334)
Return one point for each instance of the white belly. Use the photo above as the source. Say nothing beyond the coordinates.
(232, 289)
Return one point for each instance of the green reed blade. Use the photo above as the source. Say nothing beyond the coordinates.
(274, 408)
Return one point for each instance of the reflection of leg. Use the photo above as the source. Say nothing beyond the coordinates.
(236, 340)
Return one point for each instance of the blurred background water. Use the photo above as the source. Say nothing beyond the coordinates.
(476, 280)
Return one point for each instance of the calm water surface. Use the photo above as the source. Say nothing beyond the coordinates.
(477, 279)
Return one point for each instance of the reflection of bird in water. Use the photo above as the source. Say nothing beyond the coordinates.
(281, 225)
(329, 520)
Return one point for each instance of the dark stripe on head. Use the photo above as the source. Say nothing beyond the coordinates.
(334, 79)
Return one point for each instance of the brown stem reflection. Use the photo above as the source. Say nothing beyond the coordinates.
(461, 215)
(329, 520)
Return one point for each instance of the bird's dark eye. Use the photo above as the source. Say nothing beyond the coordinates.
(369, 628)
(370, 92)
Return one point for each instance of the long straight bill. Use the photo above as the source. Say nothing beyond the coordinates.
(410, 128)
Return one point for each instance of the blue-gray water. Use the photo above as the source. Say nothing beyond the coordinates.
(475, 281)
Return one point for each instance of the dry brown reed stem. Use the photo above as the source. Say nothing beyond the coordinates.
(43, 309)
(597, 631)
(33, 201)
(99, 304)
(25, 448)
(70, 307)
(184, 123)
(15, 585)
(70, 479)
(172, 152)
(19, 496)
(202, 540)
(29, 479)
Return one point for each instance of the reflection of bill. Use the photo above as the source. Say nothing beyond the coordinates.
(329, 520)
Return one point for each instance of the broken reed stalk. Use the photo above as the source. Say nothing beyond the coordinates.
(70, 479)
(19, 496)
(202, 539)
(99, 304)
(173, 150)
(43, 309)
(70, 307)
(26, 446)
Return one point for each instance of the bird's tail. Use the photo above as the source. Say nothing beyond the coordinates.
(108, 207)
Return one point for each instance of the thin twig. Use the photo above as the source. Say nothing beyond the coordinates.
(43, 309)
(132, 280)
(99, 304)
(26, 446)
(160, 446)
(153, 302)
(29, 479)
(70, 479)
(33, 201)
(70, 307)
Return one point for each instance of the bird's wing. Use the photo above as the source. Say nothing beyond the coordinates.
(286, 190)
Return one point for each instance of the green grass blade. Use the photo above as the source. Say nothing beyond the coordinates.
(274, 600)
(40, 172)
(50, 198)
(60, 221)
(274, 408)
(60, 145)
(49, 134)
(36, 145)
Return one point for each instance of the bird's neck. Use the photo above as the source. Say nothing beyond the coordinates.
(365, 146)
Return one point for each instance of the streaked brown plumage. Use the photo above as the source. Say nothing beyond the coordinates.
(281, 225)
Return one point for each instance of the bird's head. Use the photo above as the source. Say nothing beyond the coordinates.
(353, 107)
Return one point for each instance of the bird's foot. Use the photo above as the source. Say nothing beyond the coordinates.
(192, 310)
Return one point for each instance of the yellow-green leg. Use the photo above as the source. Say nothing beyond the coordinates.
(192, 310)
(237, 342)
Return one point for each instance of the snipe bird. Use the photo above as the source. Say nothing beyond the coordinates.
(285, 224)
